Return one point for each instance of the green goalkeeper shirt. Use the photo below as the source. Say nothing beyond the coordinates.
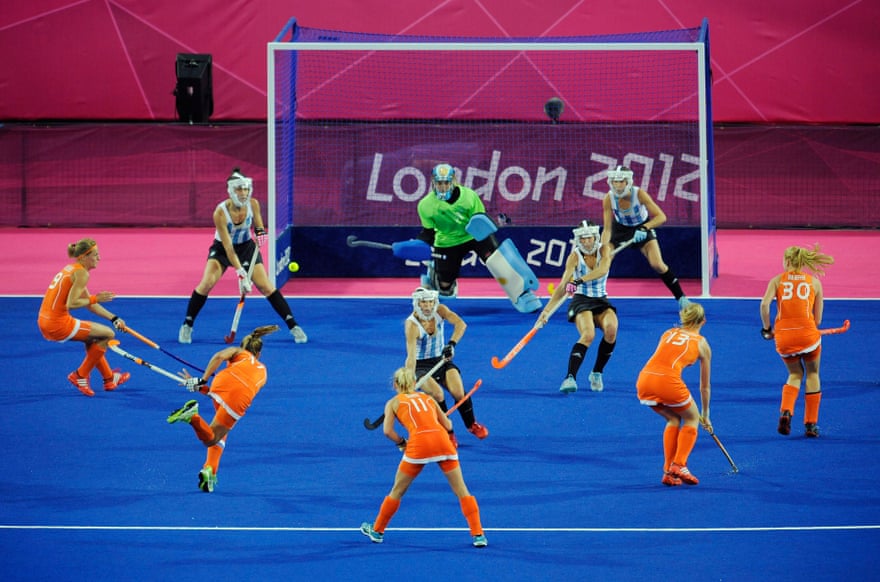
(449, 220)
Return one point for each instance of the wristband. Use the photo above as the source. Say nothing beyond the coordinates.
(452, 343)
(93, 299)
(113, 319)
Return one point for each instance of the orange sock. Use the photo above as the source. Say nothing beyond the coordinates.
(670, 442)
(386, 512)
(104, 368)
(471, 512)
(214, 454)
(687, 438)
(202, 428)
(94, 353)
(811, 407)
(789, 396)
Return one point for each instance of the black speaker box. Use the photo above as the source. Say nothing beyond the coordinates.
(194, 93)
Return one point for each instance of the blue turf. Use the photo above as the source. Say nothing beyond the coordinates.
(584, 468)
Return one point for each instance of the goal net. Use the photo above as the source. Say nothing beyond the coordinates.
(356, 122)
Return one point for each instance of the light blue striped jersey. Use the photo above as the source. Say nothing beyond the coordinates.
(594, 288)
(635, 215)
(238, 232)
(429, 346)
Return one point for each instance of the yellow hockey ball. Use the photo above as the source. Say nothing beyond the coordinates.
(294, 266)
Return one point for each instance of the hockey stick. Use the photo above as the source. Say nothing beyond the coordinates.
(374, 424)
(498, 364)
(408, 250)
(723, 450)
(465, 397)
(238, 309)
(153, 344)
(114, 345)
(835, 330)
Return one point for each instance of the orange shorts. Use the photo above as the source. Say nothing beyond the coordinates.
(430, 446)
(66, 329)
(231, 398)
(661, 389)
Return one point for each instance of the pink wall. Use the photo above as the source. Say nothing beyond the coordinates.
(798, 61)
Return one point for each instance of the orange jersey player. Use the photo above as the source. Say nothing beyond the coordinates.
(428, 442)
(68, 291)
(661, 387)
(232, 390)
(799, 307)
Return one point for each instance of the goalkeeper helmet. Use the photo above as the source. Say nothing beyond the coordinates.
(240, 188)
(429, 296)
(443, 174)
(586, 229)
(620, 174)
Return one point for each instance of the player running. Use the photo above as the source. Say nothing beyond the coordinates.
(799, 306)
(586, 271)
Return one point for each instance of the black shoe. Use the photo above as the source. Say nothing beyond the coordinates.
(811, 430)
(784, 423)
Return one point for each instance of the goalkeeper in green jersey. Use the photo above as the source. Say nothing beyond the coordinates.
(454, 222)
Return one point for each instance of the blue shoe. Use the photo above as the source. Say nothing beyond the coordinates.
(480, 541)
(596, 384)
(207, 479)
(569, 385)
(367, 530)
(184, 413)
(683, 302)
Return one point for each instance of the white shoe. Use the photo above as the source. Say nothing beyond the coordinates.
(596, 384)
(569, 385)
(184, 336)
(299, 336)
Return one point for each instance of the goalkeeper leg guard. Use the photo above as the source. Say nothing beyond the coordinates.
(515, 277)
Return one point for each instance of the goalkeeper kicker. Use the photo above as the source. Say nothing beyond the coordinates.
(454, 222)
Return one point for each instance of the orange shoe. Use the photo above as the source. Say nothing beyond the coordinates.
(82, 384)
(683, 473)
(478, 430)
(117, 379)
(670, 480)
(784, 423)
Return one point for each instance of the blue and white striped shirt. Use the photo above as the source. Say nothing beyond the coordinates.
(595, 287)
(239, 233)
(429, 346)
(635, 215)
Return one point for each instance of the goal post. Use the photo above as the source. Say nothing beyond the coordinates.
(357, 121)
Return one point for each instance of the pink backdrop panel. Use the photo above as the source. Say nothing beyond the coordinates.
(786, 61)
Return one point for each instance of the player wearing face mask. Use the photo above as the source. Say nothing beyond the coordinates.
(454, 223)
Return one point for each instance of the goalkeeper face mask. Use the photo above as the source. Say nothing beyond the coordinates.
(240, 189)
(442, 179)
(620, 180)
